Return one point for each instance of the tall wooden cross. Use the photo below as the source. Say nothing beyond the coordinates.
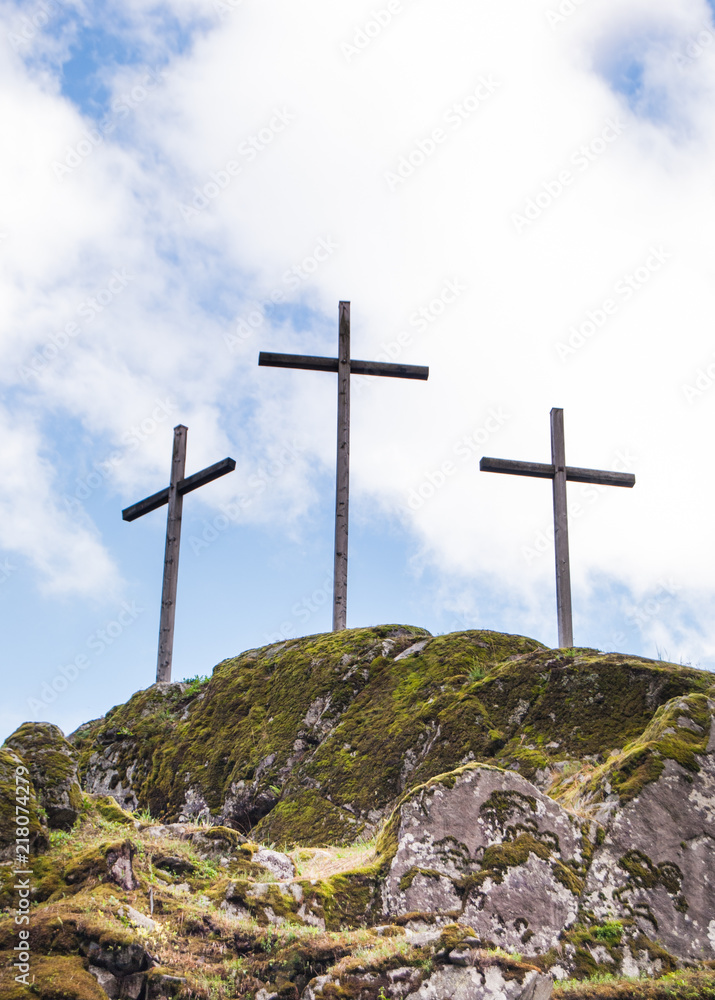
(173, 495)
(344, 366)
(560, 473)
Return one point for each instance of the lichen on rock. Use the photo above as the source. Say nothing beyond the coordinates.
(486, 844)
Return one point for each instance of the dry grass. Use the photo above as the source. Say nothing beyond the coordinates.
(322, 862)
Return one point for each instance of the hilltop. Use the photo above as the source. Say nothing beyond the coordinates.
(377, 813)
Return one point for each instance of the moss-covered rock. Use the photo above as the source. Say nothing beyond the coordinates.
(22, 831)
(314, 740)
(655, 868)
(486, 844)
(53, 768)
(493, 793)
(52, 978)
(108, 809)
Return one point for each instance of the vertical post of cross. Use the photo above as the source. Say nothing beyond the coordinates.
(342, 484)
(171, 557)
(561, 530)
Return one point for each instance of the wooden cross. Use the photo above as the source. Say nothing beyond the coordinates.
(344, 366)
(173, 495)
(560, 473)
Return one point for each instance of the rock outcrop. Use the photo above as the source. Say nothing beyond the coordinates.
(514, 815)
(315, 740)
(486, 846)
(18, 802)
(53, 768)
(656, 866)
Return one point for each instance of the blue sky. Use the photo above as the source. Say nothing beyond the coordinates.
(527, 210)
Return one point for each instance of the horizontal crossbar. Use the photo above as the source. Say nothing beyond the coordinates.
(185, 486)
(539, 471)
(315, 364)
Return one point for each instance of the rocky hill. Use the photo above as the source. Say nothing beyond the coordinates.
(374, 814)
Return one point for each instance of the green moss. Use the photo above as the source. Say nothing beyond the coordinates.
(452, 937)
(529, 759)
(500, 857)
(679, 731)
(348, 899)
(109, 810)
(224, 833)
(566, 875)
(347, 730)
(308, 819)
(644, 874)
(48, 754)
(56, 978)
(410, 875)
(500, 806)
(90, 863)
(14, 794)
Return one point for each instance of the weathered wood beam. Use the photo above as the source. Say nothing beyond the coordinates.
(561, 530)
(304, 361)
(389, 370)
(307, 362)
(505, 465)
(342, 474)
(157, 500)
(539, 470)
(207, 476)
(153, 502)
(171, 558)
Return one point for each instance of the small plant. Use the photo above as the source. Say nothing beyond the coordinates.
(611, 932)
(194, 684)
(476, 671)
(270, 939)
(124, 731)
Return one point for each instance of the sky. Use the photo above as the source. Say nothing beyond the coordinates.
(520, 196)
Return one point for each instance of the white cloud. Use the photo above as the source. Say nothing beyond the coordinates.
(68, 557)
(328, 129)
